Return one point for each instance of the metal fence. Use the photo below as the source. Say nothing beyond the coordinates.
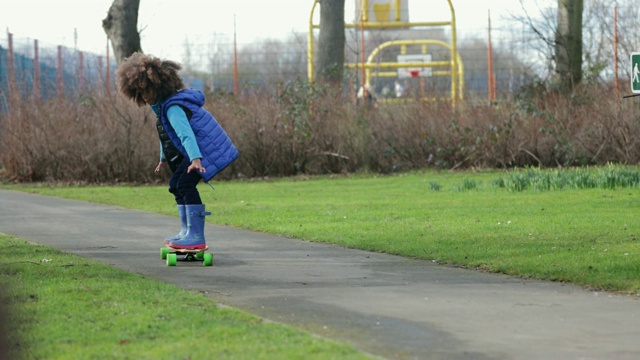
(29, 70)
(63, 71)
(33, 70)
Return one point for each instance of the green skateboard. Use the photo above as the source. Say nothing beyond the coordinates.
(173, 255)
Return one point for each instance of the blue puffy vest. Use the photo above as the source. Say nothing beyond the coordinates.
(216, 147)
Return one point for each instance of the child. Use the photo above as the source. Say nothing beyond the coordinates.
(192, 143)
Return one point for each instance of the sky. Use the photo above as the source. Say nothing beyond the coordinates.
(165, 24)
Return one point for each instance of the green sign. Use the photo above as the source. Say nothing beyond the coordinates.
(635, 73)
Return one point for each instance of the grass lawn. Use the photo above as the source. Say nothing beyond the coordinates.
(579, 226)
(69, 307)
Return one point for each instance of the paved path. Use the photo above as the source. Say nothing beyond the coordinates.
(385, 305)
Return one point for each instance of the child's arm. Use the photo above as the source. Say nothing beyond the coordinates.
(178, 119)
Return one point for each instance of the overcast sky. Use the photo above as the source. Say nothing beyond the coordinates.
(165, 24)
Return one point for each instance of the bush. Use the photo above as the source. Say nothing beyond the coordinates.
(89, 139)
(311, 129)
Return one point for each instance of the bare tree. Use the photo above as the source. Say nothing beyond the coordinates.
(187, 56)
(331, 41)
(598, 35)
(568, 43)
(121, 27)
(561, 39)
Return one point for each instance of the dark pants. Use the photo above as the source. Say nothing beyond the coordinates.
(183, 185)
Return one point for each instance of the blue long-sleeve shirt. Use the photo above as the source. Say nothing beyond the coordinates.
(180, 123)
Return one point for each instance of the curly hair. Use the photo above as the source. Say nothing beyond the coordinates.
(139, 73)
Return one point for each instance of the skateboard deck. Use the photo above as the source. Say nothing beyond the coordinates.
(172, 255)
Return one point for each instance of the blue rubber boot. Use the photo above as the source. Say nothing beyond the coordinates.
(195, 233)
(183, 226)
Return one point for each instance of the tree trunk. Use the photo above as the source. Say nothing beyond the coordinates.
(121, 27)
(331, 41)
(568, 43)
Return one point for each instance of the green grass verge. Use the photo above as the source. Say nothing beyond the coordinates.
(68, 307)
(587, 235)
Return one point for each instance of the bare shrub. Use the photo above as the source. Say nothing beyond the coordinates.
(543, 128)
(403, 136)
(310, 129)
(588, 127)
(89, 140)
(303, 130)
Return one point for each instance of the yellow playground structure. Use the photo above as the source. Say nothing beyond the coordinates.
(378, 15)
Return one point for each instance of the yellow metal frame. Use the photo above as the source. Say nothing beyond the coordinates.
(456, 69)
(371, 65)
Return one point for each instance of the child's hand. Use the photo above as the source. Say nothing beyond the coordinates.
(160, 166)
(196, 165)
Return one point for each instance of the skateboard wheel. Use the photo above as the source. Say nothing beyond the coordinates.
(200, 255)
(172, 259)
(164, 252)
(208, 259)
